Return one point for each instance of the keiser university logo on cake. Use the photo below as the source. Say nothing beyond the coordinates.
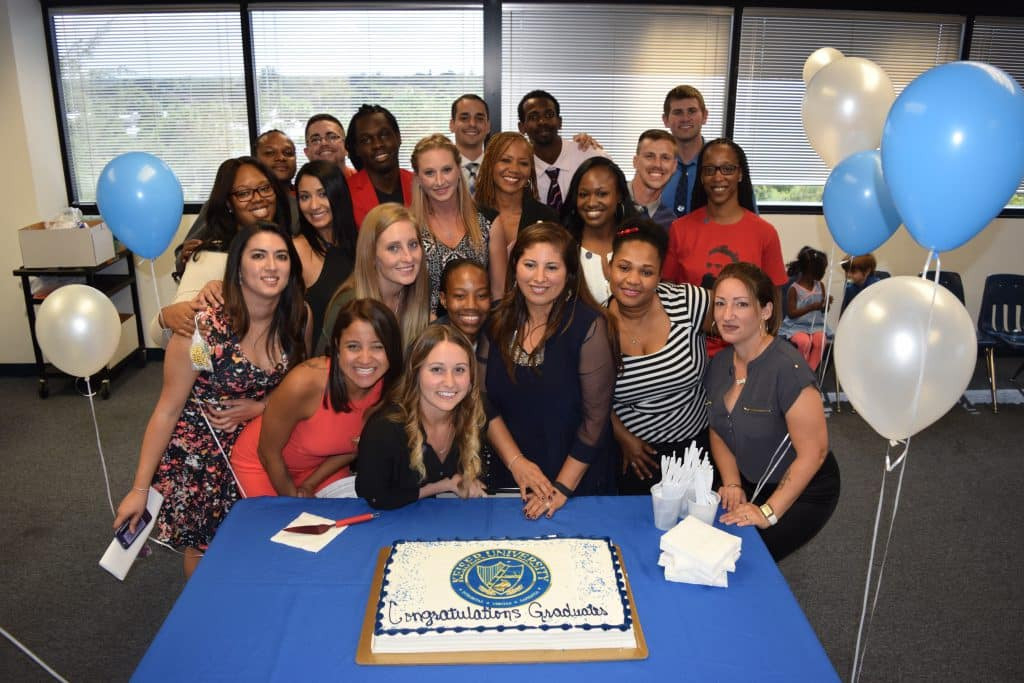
(500, 577)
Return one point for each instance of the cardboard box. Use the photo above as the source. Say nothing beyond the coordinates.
(42, 248)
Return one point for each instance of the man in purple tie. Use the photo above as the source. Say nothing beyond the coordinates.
(556, 160)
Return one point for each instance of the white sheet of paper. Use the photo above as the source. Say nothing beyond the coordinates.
(118, 560)
(313, 543)
(343, 488)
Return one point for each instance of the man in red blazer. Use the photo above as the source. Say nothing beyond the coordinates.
(373, 141)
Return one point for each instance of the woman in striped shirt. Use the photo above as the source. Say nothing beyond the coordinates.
(659, 405)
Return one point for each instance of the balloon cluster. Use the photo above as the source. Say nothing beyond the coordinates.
(952, 154)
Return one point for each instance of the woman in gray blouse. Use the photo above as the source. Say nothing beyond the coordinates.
(768, 435)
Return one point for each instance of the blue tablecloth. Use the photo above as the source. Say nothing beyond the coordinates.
(257, 610)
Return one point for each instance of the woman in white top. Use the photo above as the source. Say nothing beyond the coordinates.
(597, 201)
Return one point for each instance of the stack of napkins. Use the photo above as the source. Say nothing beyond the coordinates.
(695, 552)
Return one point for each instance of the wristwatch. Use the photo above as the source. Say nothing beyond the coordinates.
(769, 514)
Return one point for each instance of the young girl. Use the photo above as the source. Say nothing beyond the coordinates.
(805, 325)
(465, 296)
(428, 441)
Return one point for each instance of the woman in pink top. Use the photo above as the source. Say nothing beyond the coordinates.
(306, 437)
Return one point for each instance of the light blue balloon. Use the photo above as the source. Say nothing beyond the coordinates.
(858, 206)
(953, 151)
(141, 201)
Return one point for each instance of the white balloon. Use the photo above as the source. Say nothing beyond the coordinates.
(845, 108)
(881, 343)
(78, 329)
(823, 56)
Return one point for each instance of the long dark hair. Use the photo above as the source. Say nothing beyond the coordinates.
(385, 326)
(511, 314)
(571, 218)
(222, 224)
(745, 191)
(288, 324)
(343, 224)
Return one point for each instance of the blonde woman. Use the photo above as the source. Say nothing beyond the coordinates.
(389, 269)
(450, 225)
(428, 441)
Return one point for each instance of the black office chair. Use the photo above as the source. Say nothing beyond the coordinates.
(1001, 322)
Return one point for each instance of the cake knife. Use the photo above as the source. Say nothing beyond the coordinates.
(321, 528)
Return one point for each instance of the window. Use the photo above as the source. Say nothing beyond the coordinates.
(414, 62)
(999, 41)
(610, 66)
(773, 48)
(166, 82)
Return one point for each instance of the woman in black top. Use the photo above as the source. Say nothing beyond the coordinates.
(428, 441)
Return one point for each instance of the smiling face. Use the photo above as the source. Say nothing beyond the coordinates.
(739, 316)
(277, 152)
(325, 141)
(399, 254)
(444, 379)
(635, 272)
(265, 265)
(540, 121)
(512, 171)
(541, 275)
(655, 162)
(361, 357)
(467, 298)
(313, 202)
(377, 143)
(722, 183)
(685, 119)
(471, 123)
(438, 174)
(597, 198)
(258, 201)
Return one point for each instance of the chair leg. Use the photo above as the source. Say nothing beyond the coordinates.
(990, 360)
(836, 376)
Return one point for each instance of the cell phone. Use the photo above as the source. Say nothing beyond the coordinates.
(126, 537)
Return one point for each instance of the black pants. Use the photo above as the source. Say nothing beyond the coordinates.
(808, 514)
(632, 485)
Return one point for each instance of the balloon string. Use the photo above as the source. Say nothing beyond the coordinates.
(824, 318)
(915, 400)
(156, 290)
(96, 426)
(862, 631)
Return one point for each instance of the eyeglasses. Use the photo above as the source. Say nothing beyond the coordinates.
(330, 137)
(245, 194)
(724, 169)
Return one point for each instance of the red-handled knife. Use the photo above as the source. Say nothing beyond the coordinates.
(321, 528)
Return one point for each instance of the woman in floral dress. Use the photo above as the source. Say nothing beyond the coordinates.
(214, 383)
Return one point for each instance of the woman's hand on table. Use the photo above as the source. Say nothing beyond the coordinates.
(475, 489)
(536, 506)
(732, 495)
(746, 514)
(529, 476)
(303, 492)
(636, 455)
(229, 414)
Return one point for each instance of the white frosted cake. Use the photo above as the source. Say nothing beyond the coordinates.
(514, 594)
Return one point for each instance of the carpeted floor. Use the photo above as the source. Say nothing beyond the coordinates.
(949, 609)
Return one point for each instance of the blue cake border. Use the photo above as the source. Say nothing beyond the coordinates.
(620, 584)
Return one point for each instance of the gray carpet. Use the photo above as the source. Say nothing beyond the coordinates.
(949, 609)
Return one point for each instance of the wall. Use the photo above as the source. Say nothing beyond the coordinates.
(32, 183)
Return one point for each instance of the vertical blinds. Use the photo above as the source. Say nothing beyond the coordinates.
(998, 41)
(774, 46)
(414, 61)
(610, 66)
(162, 81)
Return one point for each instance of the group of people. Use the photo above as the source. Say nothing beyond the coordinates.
(467, 328)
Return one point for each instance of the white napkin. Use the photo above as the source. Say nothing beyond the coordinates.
(696, 552)
(314, 543)
(342, 488)
(118, 560)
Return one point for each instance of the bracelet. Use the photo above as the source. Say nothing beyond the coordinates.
(563, 489)
(728, 485)
(146, 490)
(512, 462)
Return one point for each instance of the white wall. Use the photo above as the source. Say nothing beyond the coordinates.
(32, 183)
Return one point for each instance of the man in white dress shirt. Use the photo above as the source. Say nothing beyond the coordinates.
(471, 124)
(556, 160)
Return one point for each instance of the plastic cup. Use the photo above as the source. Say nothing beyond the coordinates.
(666, 510)
(705, 513)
